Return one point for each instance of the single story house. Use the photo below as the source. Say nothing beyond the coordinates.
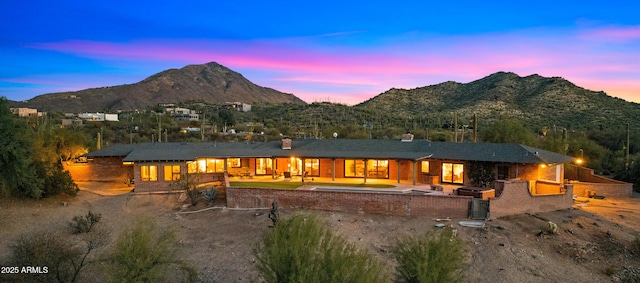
(154, 166)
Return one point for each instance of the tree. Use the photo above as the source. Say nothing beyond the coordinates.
(18, 174)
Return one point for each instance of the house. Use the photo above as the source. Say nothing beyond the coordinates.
(530, 171)
(183, 114)
(239, 106)
(26, 112)
(98, 116)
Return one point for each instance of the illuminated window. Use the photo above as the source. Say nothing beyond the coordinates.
(353, 168)
(149, 173)
(452, 173)
(375, 168)
(209, 165)
(233, 162)
(312, 167)
(171, 172)
(378, 169)
(192, 167)
(264, 166)
(424, 166)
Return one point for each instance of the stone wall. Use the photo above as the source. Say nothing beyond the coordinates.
(357, 202)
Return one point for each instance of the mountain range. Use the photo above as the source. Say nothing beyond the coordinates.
(536, 99)
(211, 83)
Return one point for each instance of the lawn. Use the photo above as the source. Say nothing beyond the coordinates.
(293, 185)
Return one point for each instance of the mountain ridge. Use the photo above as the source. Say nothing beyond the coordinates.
(211, 82)
(534, 97)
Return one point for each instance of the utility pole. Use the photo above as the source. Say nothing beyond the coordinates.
(202, 127)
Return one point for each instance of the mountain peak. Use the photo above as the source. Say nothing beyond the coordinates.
(210, 82)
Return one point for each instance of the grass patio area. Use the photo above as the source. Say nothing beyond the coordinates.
(293, 185)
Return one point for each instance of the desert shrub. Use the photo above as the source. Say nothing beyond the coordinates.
(432, 257)
(83, 224)
(62, 257)
(302, 249)
(209, 194)
(144, 255)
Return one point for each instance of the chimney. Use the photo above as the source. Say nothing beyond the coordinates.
(408, 137)
(286, 143)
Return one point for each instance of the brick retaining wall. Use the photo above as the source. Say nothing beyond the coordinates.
(358, 202)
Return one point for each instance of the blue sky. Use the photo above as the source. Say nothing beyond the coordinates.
(338, 51)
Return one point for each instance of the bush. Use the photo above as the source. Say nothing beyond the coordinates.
(142, 255)
(433, 257)
(62, 257)
(83, 224)
(301, 249)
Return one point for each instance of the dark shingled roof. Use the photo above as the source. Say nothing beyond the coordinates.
(336, 148)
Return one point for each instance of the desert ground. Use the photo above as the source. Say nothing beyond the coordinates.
(593, 243)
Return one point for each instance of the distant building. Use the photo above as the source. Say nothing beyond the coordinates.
(242, 107)
(98, 117)
(26, 112)
(166, 105)
(183, 114)
(72, 123)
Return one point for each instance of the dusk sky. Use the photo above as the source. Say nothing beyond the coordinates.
(338, 51)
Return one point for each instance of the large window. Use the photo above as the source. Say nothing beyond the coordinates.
(312, 167)
(378, 169)
(452, 173)
(353, 168)
(209, 165)
(264, 166)
(171, 172)
(375, 168)
(149, 173)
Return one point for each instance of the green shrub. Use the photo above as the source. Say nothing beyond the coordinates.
(83, 224)
(432, 257)
(142, 255)
(302, 249)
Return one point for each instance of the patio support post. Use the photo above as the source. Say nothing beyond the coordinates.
(333, 169)
(398, 163)
(226, 170)
(273, 168)
(303, 170)
(365, 171)
(414, 167)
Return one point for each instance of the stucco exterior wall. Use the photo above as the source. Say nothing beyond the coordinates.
(102, 169)
(516, 199)
(613, 190)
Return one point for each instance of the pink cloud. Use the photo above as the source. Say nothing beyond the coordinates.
(616, 34)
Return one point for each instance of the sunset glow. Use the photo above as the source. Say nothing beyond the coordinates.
(346, 60)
